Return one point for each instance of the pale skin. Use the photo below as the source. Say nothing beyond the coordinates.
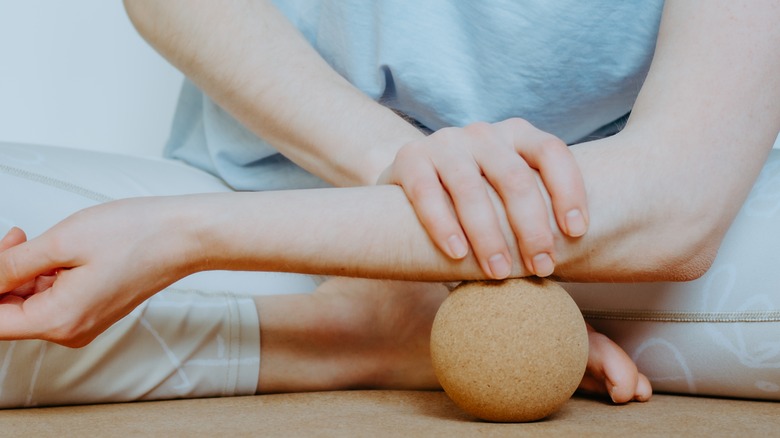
(317, 119)
(350, 333)
(660, 196)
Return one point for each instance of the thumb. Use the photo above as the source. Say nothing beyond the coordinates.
(14, 237)
(23, 261)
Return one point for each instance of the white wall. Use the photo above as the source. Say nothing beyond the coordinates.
(75, 73)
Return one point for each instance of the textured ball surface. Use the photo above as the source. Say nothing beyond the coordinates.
(509, 351)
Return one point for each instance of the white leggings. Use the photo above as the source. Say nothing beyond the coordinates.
(198, 338)
(719, 335)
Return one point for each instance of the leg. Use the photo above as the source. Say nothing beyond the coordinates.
(177, 344)
(198, 338)
(350, 333)
(354, 333)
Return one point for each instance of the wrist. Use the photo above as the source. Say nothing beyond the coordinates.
(188, 224)
(370, 165)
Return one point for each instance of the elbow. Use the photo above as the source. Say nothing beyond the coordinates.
(694, 264)
(689, 252)
(675, 251)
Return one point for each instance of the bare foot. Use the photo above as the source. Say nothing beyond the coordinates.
(354, 333)
(611, 372)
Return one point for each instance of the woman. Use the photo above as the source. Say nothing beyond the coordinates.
(661, 193)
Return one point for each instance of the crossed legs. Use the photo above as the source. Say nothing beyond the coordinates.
(185, 342)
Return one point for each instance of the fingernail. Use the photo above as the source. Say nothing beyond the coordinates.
(611, 391)
(458, 248)
(575, 223)
(499, 266)
(543, 265)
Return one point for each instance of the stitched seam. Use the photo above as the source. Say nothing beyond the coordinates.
(231, 376)
(54, 182)
(684, 317)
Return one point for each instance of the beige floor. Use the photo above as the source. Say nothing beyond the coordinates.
(390, 413)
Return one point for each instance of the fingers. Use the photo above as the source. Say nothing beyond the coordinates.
(420, 181)
(452, 202)
(14, 237)
(559, 171)
(14, 323)
(514, 173)
(24, 262)
(516, 183)
(515, 178)
(57, 314)
(18, 282)
(644, 389)
(610, 371)
(445, 175)
(462, 177)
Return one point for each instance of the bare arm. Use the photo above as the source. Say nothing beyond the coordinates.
(663, 192)
(248, 58)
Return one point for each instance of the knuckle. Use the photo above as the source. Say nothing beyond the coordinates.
(537, 240)
(547, 153)
(467, 187)
(58, 244)
(407, 152)
(550, 146)
(478, 128)
(447, 131)
(517, 183)
(440, 227)
(422, 191)
(518, 123)
(441, 135)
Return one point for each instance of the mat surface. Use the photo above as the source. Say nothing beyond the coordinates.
(390, 413)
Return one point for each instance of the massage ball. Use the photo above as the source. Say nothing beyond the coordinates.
(509, 351)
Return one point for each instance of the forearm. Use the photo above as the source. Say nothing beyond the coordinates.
(374, 232)
(363, 232)
(649, 219)
(249, 59)
(661, 193)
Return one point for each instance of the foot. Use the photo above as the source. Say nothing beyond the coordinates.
(611, 372)
(354, 333)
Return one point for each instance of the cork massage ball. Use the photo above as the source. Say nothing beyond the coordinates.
(509, 351)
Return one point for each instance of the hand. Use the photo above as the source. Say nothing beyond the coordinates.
(449, 168)
(15, 237)
(78, 278)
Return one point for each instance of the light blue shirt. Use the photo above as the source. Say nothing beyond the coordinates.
(570, 67)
